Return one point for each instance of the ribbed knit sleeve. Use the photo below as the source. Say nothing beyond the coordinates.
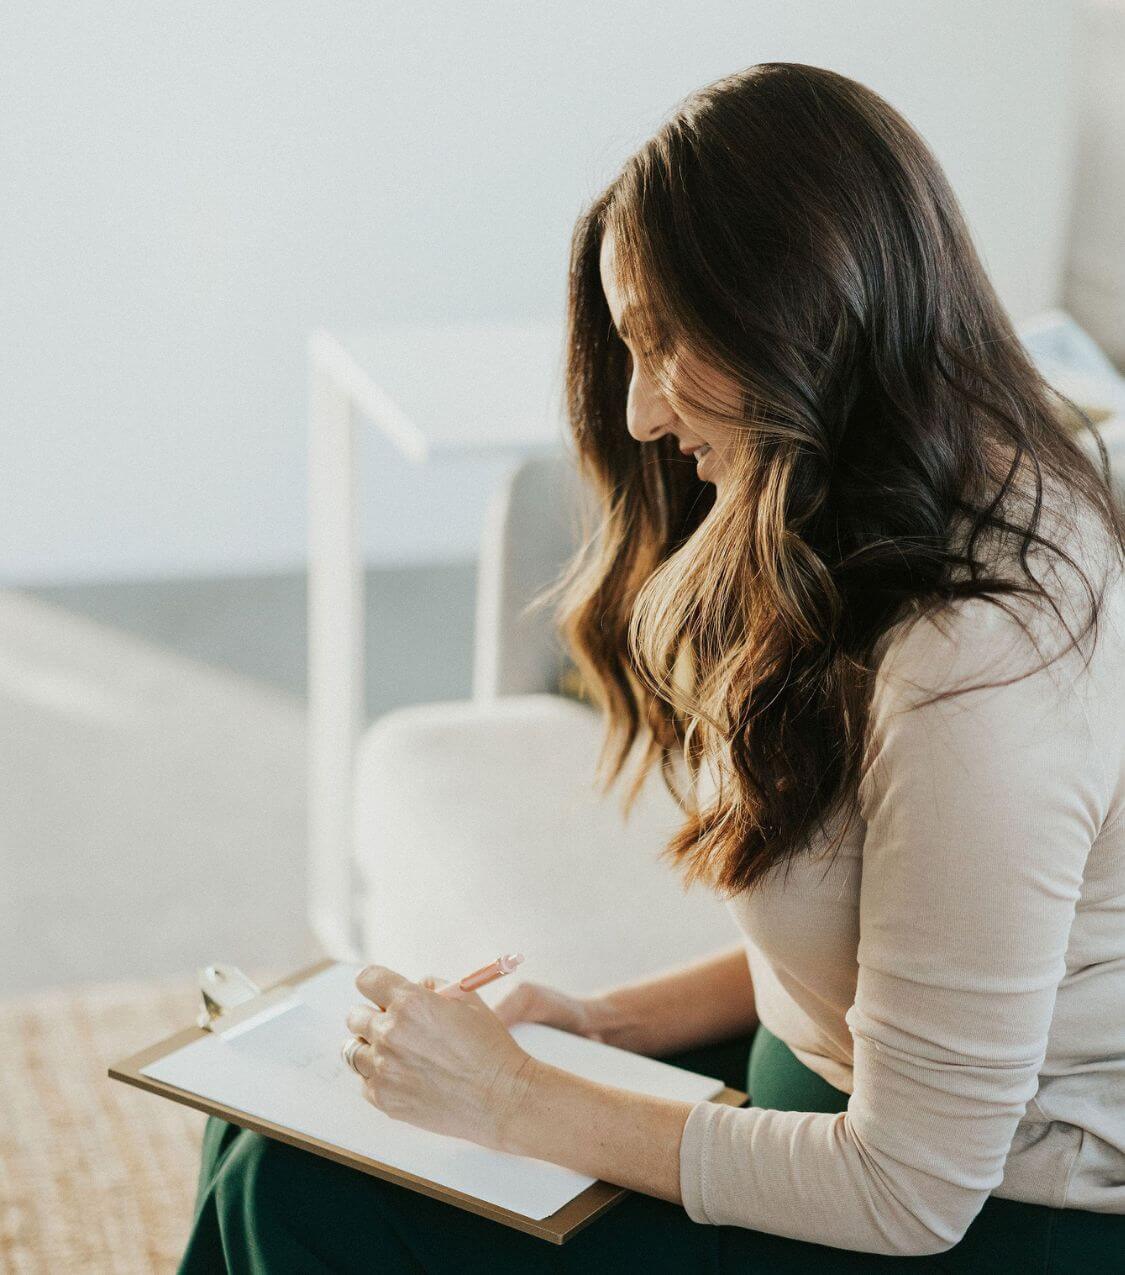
(980, 812)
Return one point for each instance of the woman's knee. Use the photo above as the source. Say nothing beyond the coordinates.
(279, 1208)
(218, 1135)
(262, 1176)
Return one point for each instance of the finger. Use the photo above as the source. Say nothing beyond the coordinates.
(517, 1006)
(452, 991)
(363, 1061)
(432, 982)
(380, 984)
(362, 1021)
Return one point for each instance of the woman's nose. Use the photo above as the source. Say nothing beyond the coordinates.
(647, 431)
(648, 417)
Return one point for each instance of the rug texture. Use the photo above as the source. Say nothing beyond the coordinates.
(95, 1176)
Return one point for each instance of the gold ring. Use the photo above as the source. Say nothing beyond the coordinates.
(347, 1051)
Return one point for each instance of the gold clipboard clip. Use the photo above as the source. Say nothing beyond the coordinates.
(229, 997)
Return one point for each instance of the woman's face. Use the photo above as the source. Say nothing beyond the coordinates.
(648, 414)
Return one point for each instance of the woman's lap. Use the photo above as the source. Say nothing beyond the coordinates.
(265, 1207)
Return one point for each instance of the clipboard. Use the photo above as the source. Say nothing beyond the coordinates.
(557, 1228)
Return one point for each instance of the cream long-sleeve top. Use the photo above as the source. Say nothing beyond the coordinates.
(958, 967)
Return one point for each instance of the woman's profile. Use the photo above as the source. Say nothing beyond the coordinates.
(857, 592)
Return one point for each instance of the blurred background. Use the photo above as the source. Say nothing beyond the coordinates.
(191, 190)
(197, 199)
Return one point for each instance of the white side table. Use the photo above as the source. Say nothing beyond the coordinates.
(471, 389)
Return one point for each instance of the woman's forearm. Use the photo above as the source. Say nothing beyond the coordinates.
(696, 1004)
(612, 1134)
(626, 1138)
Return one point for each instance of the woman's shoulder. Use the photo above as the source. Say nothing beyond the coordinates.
(990, 637)
(977, 704)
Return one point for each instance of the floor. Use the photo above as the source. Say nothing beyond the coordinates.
(152, 817)
(419, 626)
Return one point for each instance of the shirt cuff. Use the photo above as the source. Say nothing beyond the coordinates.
(695, 1145)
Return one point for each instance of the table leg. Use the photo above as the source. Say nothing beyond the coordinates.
(336, 663)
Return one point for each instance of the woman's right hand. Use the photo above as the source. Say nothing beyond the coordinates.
(537, 1003)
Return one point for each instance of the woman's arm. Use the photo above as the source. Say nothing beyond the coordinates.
(538, 1109)
(980, 811)
(447, 1063)
(452, 1067)
(611, 1134)
(708, 1000)
(614, 1134)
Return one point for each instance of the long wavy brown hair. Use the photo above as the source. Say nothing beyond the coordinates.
(788, 228)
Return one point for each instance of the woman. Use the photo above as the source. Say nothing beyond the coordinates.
(859, 594)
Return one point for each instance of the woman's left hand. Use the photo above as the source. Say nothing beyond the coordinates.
(442, 1062)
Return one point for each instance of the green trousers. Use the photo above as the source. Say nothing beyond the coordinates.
(265, 1208)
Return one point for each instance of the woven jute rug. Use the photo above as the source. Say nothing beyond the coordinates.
(95, 1176)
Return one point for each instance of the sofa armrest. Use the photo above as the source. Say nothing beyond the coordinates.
(1112, 433)
(479, 830)
(531, 531)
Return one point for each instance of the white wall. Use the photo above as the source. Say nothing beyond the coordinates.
(1094, 290)
(190, 187)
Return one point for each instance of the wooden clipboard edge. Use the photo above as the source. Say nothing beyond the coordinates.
(558, 1227)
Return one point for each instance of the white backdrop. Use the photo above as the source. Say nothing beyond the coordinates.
(190, 186)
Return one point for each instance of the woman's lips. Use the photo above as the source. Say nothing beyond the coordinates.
(704, 466)
(697, 452)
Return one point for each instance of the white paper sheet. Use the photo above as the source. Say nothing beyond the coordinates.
(286, 1068)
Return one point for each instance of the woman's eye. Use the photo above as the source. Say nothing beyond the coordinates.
(648, 357)
(654, 352)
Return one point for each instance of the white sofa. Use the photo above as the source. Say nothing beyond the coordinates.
(479, 832)
(478, 827)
